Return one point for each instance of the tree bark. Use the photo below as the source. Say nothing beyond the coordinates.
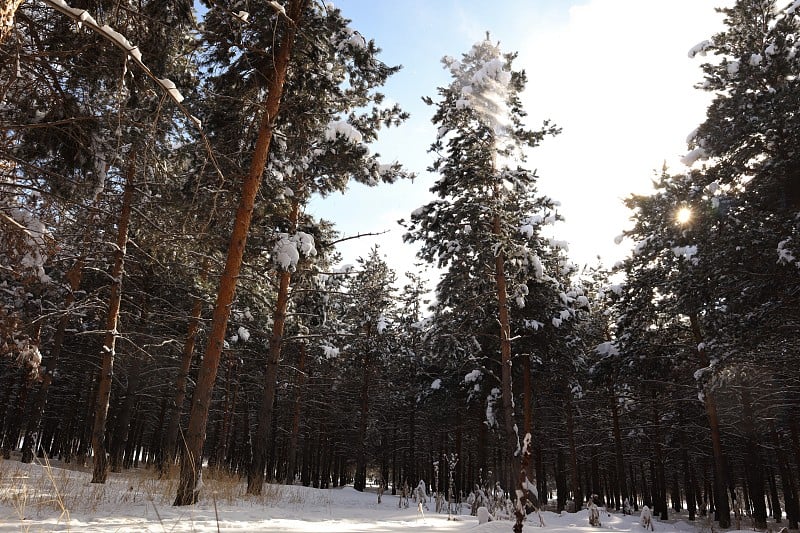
(573, 453)
(618, 451)
(255, 474)
(100, 466)
(122, 431)
(360, 482)
(298, 406)
(754, 467)
(74, 276)
(169, 447)
(191, 460)
(720, 494)
(659, 478)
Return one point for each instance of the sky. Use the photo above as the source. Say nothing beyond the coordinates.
(613, 74)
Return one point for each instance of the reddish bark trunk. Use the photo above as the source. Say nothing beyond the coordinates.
(191, 459)
(255, 474)
(298, 404)
(100, 470)
(171, 438)
(720, 494)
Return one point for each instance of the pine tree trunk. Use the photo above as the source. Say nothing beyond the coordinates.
(74, 276)
(100, 467)
(298, 406)
(720, 495)
(777, 514)
(688, 478)
(788, 486)
(618, 451)
(191, 459)
(659, 478)
(122, 430)
(360, 482)
(573, 453)
(169, 447)
(255, 474)
(17, 412)
(754, 467)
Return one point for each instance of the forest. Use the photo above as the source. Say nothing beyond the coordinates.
(168, 302)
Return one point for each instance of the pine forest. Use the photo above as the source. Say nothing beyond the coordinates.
(170, 302)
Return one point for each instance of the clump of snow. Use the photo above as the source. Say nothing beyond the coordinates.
(330, 352)
(381, 324)
(169, 86)
(693, 156)
(785, 255)
(686, 252)
(341, 128)
(437, 384)
(289, 248)
(473, 376)
(607, 348)
(244, 334)
(700, 48)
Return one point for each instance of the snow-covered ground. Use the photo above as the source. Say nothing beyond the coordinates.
(39, 498)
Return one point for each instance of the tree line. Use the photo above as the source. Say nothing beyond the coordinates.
(169, 302)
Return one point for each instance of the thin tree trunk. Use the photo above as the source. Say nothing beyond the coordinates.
(255, 474)
(100, 469)
(74, 276)
(171, 438)
(659, 478)
(618, 451)
(720, 494)
(122, 431)
(298, 406)
(573, 453)
(754, 468)
(360, 482)
(191, 460)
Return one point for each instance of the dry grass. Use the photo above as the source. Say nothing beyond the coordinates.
(43, 491)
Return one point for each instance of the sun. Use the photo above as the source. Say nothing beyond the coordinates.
(684, 215)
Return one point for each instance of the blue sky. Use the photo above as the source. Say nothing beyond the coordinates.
(614, 74)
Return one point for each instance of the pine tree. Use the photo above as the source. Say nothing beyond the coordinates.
(484, 226)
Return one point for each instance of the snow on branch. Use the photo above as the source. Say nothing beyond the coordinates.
(83, 18)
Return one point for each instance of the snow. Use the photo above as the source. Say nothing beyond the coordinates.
(437, 384)
(169, 86)
(277, 7)
(785, 256)
(340, 128)
(700, 48)
(473, 376)
(137, 502)
(694, 155)
(381, 324)
(686, 252)
(243, 333)
(288, 249)
(330, 352)
(607, 349)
